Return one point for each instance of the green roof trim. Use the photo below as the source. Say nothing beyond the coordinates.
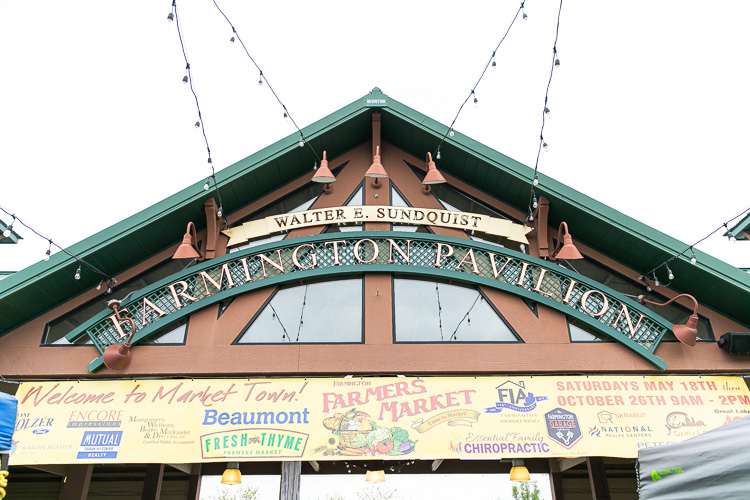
(742, 227)
(45, 285)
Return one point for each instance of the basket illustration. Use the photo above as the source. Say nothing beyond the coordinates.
(351, 428)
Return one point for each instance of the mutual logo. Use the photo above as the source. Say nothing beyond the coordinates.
(515, 396)
(678, 421)
(562, 427)
(100, 444)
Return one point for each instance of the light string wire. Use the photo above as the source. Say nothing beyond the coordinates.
(665, 264)
(105, 277)
(472, 93)
(263, 78)
(545, 110)
(189, 76)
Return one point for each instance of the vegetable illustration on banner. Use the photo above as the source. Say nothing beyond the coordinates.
(356, 433)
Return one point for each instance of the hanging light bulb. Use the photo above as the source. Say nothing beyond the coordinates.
(49, 251)
(547, 114)
(260, 79)
(525, 17)
(730, 234)
(451, 132)
(170, 17)
(207, 185)
(210, 163)
(494, 64)
(693, 258)
(545, 146)
(301, 141)
(535, 204)
(231, 40)
(656, 280)
(286, 117)
(197, 125)
(220, 212)
(99, 286)
(536, 180)
(557, 63)
(670, 273)
(185, 79)
(437, 155)
(476, 101)
(78, 273)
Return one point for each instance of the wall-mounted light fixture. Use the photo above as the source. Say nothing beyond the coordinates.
(324, 175)
(568, 250)
(687, 333)
(376, 170)
(117, 356)
(432, 177)
(519, 473)
(232, 474)
(188, 249)
(375, 476)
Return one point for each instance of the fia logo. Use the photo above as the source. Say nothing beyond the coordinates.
(514, 396)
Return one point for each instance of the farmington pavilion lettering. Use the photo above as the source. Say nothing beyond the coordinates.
(336, 254)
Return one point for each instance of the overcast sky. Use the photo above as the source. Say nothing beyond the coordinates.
(648, 111)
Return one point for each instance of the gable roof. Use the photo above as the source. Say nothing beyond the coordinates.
(45, 285)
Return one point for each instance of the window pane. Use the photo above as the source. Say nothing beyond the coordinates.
(427, 311)
(327, 312)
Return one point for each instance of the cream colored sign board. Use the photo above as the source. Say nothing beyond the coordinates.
(206, 420)
(395, 215)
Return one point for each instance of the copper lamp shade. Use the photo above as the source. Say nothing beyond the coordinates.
(568, 250)
(519, 473)
(187, 249)
(687, 333)
(433, 176)
(376, 170)
(232, 474)
(323, 174)
(117, 356)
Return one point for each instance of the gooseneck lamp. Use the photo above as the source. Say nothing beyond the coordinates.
(432, 177)
(188, 248)
(568, 250)
(376, 170)
(687, 333)
(324, 175)
(117, 356)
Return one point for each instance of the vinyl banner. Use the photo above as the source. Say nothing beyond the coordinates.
(185, 421)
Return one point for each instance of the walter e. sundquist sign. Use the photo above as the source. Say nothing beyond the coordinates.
(406, 253)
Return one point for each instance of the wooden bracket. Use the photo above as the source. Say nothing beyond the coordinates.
(214, 225)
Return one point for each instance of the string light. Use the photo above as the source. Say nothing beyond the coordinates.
(670, 273)
(49, 251)
(525, 17)
(81, 262)
(199, 125)
(476, 101)
(99, 286)
(693, 257)
(437, 156)
(452, 132)
(207, 185)
(286, 117)
(545, 109)
(170, 17)
(236, 35)
(77, 275)
(732, 239)
(535, 204)
(231, 40)
(489, 61)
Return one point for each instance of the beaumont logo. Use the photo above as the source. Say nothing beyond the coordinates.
(513, 396)
(562, 427)
(99, 444)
